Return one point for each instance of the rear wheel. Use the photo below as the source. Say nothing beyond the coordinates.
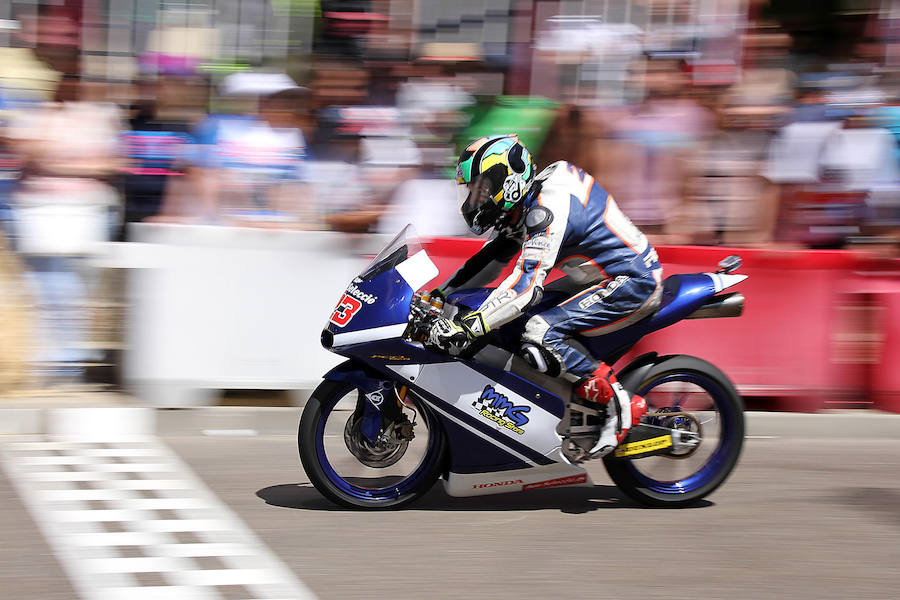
(703, 401)
(354, 472)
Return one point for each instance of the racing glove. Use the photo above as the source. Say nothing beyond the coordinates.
(473, 324)
(445, 333)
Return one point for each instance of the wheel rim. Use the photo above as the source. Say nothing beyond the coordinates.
(702, 396)
(354, 478)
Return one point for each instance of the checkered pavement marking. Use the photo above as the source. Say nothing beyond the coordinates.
(128, 519)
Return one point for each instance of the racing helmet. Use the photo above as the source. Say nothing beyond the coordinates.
(492, 176)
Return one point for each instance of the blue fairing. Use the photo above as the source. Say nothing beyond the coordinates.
(469, 453)
(546, 399)
(389, 296)
(471, 299)
(682, 295)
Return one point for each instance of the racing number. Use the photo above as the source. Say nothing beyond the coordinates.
(344, 311)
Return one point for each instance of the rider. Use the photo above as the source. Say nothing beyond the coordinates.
(559, 217)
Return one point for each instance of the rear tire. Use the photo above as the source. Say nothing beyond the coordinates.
(684, 490)
(348, 493)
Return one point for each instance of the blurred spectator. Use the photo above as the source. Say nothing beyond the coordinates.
(10, 168)
(731, 201)
(342, 192)
(381, 165)
(62, 209)
(644, 158)
(249, 169)
(427, 199)
(155, 146)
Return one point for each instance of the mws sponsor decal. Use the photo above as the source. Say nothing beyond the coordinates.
(497, 407)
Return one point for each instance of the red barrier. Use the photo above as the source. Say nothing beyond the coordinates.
(804, 336)
(882, 293)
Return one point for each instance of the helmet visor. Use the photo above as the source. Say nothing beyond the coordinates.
(476, 205)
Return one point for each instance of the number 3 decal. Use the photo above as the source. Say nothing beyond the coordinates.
(346, 308)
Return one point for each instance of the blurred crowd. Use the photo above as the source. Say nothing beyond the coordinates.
(748, 127)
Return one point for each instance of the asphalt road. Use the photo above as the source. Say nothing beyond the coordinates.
(799, 518)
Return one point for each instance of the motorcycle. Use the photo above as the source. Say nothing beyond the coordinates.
(385, 425)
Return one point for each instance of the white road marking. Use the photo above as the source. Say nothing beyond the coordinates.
(227, 432)
(76, 489)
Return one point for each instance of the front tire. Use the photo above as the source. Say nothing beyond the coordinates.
(688, 384)
(341, 477)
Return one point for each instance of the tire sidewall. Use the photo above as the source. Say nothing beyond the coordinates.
(621, 471)
(309, 457)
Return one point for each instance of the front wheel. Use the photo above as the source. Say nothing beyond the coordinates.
(705, 402)
(352, 472)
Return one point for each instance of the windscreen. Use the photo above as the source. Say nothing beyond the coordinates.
(404, 245)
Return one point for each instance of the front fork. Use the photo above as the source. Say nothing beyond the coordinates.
(378, 399)
(377, 407)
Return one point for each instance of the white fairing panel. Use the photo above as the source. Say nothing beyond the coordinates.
(471, 392)
(517, 480)
(417, 270)
(369, 335)
(722, 281)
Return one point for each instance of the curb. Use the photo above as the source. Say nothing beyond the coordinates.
(252, 421)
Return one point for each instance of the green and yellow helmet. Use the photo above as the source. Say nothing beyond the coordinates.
(493, 175)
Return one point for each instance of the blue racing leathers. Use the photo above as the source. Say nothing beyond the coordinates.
(613, 275)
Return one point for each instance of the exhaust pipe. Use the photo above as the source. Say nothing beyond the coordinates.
(726, 305)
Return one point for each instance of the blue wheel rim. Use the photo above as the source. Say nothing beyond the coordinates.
(400, 488)
(717, 460)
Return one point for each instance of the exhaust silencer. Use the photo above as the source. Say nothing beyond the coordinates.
(726, 305)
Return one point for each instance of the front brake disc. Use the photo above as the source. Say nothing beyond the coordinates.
(385, 452)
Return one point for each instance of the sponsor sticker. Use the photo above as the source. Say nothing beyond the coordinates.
(497, 407)
(357, 293)
(500, 299)
(601, 294)
(390, 357)
(496, 483)
(657, 443)
(550, 483)
(344, 311)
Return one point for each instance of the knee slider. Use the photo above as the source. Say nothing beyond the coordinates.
(540, 359)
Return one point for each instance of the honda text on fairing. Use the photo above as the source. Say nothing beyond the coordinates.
(398, 414)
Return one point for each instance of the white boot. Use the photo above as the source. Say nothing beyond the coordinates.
(618, 421)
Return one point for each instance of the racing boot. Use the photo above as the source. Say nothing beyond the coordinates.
(622, 411)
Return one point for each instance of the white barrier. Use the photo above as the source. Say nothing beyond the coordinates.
(214, 308)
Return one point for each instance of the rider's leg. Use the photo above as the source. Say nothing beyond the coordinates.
(601, 309)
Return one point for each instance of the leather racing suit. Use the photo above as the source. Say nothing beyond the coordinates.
(613, 276)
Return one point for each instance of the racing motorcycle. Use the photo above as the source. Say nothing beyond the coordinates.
(398, 415)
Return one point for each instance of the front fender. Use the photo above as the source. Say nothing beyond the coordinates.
(375, 399)
(359, 374)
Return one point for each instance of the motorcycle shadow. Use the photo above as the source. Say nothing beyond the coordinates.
(304, 496)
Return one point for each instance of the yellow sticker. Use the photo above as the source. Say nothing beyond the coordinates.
(650, 445)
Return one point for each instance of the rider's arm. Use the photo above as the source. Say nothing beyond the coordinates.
(546, 229)
(485, 266)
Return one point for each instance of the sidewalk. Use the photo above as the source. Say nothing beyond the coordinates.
(79, 411)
